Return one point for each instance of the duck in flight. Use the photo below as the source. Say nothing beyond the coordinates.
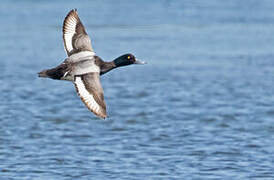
(83, 67)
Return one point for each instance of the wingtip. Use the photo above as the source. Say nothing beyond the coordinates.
(104, 118)
(100, 115)
(73, 11)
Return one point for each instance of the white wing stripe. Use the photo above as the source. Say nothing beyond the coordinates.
(74, 35)
(86, 96)
(69, 27)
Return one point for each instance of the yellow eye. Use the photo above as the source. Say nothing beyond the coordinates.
(128, 57)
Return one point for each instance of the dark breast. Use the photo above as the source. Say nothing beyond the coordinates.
(104, 66)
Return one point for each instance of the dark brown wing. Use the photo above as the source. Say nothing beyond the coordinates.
(89, 89)
(74, 35)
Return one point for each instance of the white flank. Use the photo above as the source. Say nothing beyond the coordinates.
(86, 97)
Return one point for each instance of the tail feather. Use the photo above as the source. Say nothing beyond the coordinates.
(43, 74)
(54, 73)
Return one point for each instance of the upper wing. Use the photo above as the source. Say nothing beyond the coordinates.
(74, 35)
(89, 89)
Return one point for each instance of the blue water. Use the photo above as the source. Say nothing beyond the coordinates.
(202, 108)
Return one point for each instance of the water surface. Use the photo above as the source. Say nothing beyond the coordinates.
(202, 108)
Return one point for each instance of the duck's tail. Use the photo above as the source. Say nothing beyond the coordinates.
(54, 73)
(43, 74)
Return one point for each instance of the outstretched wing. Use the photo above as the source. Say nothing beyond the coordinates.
(74, 35)
(89, 89)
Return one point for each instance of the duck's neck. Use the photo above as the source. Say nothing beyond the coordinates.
(108, 66)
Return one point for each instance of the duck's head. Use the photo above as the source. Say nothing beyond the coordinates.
(127, 59)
